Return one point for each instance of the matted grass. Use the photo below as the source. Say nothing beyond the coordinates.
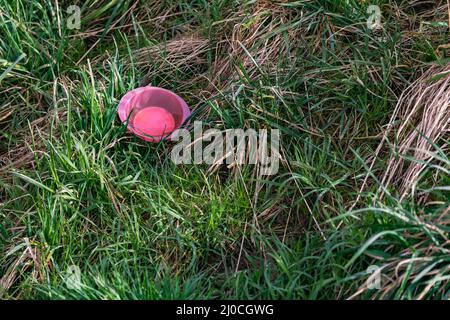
(77, 190)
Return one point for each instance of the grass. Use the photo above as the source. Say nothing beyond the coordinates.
(77, 190)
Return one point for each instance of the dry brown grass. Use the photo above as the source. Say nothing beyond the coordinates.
(420, 119)
(424, 260)
(28, 260)
(184, 54)
(254, 42)
(30, 143)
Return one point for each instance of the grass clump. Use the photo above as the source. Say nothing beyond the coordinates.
(358, 185)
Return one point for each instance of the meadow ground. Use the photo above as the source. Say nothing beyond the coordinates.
(363, 184)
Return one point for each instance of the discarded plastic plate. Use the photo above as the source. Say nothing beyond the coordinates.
(152, 113)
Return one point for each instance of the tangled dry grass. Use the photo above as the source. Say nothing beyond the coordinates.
(419, 124)
(420, 121)
(31, 143)
(256, 41)
(180, 55)
(29, 259)
(422, 268)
